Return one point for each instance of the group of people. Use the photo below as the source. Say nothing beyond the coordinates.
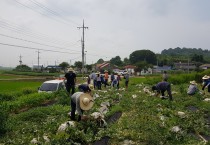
(83, 100)
(164, 85)
(99, 79)
(193, 88)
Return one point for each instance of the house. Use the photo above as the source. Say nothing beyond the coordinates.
(105, 66)
(184, 66)
(130, 69)
(205, 66)
(160, 69)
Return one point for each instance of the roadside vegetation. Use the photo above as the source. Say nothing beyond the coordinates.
(134, 116)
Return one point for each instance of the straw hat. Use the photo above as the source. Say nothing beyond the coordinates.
(205, 77)
(105, 71)
(70, 69)
(193, 82)
(86, 101)
(91, 87)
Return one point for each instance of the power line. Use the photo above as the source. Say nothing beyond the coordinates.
(64, 22)
(35, 48)
(51, 11)
(13, 27)
(35, 42)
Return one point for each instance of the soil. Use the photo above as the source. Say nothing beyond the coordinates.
(114, 117)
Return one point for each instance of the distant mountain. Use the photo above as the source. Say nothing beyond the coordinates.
(186, 52)
(6, 68)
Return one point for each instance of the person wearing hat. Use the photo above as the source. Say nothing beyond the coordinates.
(192, 89)
(70, 76)
(165, 76)
(161, 87)
(80, 102)
(206, 82)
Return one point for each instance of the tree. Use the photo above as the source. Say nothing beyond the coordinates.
(143, 55)
(126, 61)
(116, 61)
(64, 65)
(22, 68)
(100, 61)
(78, 64)
(89, 67)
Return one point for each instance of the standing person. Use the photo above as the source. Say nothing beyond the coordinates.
(118, 80)
(88, 79)
(192, 89)
(93, 77)
(80, 102)
(112, 78)
(161, 87)
(106, 77)
(206, 82)
(70, 76)
(98, 79)
(126, 79)
(165, 76)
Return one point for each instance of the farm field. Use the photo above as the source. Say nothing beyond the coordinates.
(134, 116)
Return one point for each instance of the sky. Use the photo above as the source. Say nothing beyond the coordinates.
(46, 31)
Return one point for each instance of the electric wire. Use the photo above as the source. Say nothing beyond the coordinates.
(63, 22)
(25, 31)
(51, 11)
(26, 47)
(36, 42)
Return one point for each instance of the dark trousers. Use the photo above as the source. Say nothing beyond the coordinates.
(70, 89)
(99, 85)
(94, 83)
(106, 83)
(73, 110)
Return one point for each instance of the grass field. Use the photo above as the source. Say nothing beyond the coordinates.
(12, 86)
(145, 119)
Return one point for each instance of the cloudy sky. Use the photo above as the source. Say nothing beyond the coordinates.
(115, 28)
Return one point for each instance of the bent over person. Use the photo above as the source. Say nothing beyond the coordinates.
(161, 87)
(80, 102)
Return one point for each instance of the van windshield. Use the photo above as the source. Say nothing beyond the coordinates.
(48, 87)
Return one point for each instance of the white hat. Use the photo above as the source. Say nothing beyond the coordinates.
(70, 69)
(193, 82)
(86, 101)
(205, 77)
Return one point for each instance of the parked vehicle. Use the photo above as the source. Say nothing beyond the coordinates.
(51, 86)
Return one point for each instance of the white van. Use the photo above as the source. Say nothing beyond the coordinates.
(51, 86)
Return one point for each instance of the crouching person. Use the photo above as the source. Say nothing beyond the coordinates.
(192, 89)
(161, 87)
(85, 88)
(80, 102)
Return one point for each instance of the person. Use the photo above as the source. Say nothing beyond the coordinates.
(98, 79)
(118, 80)
(112, 77)
(93, 77)
(88, 79)
(165, 76)
(192, 89)
(126, 77)
(206, 82)
(85, 88)
(80, 102)
(106, 77)
(161, 87)
(114, 82)
(70, 76)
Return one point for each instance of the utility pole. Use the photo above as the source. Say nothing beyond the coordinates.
(83, 46)
(38, 59)
(20, 60)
